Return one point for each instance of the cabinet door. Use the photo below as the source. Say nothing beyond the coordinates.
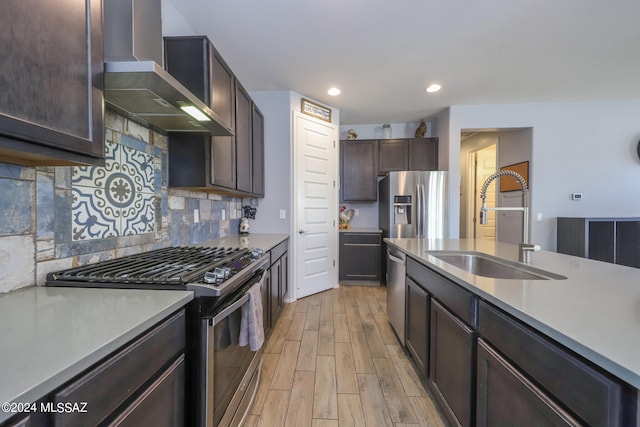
(452, 365)
(393, 155)
(602, 240)
(266, 303)
(417, 321)
(222, 89)
(187, 59)
(628, 243)
(51, 109)
(527, 405)
(189, 160)
(284, 277)
(423, 154)
(276, 281)
(257, 136)
(358, 171)
(244, 168)
(161, 404)
(360, 255)
(223, 161)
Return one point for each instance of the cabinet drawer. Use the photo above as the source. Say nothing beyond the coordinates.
(112, 382)
(591, 395)
(528, 405)
(279, 250)
(161, 404)
(362, 239)
(459, 301)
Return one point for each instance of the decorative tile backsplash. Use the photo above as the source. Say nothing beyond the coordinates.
(53, 218)
(115, 200)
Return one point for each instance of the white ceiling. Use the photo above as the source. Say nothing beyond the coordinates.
(383, 53)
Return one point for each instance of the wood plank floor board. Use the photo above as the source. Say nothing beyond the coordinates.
(319, 367)
(285, 369)
(308, 351)
(361, 353)
(300, 412)
(373, 403)
(275, 408)
(326, 337)
(341, 328)
(347, 381)
(296, 328)
(350, 411)
(325, 398)
(398, 406)
(269, 363)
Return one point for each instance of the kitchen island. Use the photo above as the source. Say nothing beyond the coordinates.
(593, 311)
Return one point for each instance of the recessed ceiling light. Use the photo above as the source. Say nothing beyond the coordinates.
(334, 91)
(433, 88)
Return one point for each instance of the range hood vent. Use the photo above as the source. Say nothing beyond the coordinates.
(135, 82)
(145, 90)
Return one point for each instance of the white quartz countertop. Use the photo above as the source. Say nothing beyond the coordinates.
(50, 335)
(250, 241)
(362, 230)
(595, 311)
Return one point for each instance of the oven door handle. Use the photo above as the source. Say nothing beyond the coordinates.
(227, 311)
(242, 301)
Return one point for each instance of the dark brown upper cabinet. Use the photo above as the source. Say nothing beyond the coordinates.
(423, 154)
(195, 62)
(358, 170)
(257, 139)
(231, 165)
(51, 75)
(415, 154)
(393, 155)
(244, 143)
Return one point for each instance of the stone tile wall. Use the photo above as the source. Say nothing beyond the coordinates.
(52, 218)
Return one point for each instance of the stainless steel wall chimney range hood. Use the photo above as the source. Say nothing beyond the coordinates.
(135, 82)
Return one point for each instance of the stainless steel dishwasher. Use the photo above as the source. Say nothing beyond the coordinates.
(396, 270)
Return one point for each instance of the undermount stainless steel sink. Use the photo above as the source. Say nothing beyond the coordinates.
(485, 265)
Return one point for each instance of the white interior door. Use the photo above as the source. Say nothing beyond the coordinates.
(315, 205)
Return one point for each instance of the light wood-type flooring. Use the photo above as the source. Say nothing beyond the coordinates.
(333, 360)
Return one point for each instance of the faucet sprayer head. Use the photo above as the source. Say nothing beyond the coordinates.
(516, 175)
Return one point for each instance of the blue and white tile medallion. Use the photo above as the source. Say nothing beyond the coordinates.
(114, 200)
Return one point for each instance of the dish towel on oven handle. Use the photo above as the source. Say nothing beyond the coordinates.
(251, 327)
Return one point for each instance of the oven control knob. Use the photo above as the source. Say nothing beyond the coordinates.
(226, 272)
(257, 253)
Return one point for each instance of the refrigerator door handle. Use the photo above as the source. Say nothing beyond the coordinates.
(424, 212)
(418, 211)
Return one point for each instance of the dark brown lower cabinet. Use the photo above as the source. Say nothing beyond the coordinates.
(277, 285)
(136, 373)
(417, 325)
(452, 362)
(506, 398)
(161, 404)
(360, 255)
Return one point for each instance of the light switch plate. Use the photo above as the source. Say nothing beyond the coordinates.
(196, 215)
(283, 214)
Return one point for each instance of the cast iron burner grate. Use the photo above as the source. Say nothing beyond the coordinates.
(173, 266)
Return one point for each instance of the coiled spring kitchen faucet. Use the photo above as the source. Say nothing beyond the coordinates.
(525, 248)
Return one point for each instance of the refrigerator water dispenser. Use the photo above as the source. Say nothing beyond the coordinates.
(402, 209)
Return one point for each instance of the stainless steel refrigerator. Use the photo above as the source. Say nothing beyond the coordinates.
(411, 204)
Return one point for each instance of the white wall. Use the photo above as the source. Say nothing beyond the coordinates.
(173, 23)
(576, 147)
(276, 108)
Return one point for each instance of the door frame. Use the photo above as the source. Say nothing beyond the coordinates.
(295, 240)
(470, 190)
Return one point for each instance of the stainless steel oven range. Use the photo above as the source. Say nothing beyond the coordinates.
(222, 376)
